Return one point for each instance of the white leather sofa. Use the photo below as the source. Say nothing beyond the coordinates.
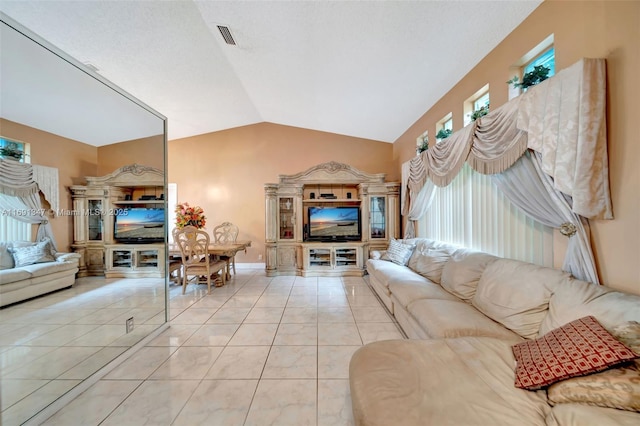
(462, 313)
(25, 282)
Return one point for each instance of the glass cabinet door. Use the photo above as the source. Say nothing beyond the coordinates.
(95, 220)
(286, 218)
(378, 221)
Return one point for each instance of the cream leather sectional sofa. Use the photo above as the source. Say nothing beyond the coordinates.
(25, 282)
(462, 314)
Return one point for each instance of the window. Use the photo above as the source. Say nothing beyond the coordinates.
(471, 212)
(15, 146)
(482, 101)
(476, 102)
(422, 142)
(547, 59)
(542, 54)
(444, 127)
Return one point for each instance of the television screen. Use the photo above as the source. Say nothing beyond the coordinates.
(334, 223)
(139, 225)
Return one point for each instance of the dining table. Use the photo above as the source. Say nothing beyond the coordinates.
(228, 250)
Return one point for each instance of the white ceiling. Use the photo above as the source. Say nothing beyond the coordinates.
(368, 69)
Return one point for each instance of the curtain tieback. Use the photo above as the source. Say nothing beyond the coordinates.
(568, 229)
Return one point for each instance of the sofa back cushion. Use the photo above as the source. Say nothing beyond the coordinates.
(516, 294)
(462, 271)
(576, 299)
(429, 257)
(6, 257)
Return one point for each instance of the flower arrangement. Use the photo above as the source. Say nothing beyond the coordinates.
(187, 215)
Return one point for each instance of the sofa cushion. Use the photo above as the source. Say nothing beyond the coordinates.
(36, 253)
(8, 276)
(461, 273)
(384, 271)
(516, 294)
(410, 289)
(398, 252)
(41, 269)
(581, 415)
(464, 381)
(6, 257)
(445, 318)
(580, 347)
(576, 299)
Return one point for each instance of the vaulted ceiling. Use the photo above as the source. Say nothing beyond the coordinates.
(360, 68)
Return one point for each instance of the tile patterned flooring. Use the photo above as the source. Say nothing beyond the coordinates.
(259, 351)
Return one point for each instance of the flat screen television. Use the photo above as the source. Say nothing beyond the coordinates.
(333, 224)
(139, 225)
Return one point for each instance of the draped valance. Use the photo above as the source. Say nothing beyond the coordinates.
(562, 118)
(20, 194)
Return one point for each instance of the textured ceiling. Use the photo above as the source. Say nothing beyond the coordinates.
(359, 68)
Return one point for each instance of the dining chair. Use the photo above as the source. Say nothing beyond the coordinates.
(175, 262)
(194, 248)
(226, 233)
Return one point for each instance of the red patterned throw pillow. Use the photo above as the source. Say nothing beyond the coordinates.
(580, 347)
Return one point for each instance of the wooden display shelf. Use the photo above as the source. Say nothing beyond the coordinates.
(331, 200)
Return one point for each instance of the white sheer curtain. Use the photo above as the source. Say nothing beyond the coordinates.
(532, 190)
(474, 213)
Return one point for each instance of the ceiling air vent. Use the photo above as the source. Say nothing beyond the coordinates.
(226, 35)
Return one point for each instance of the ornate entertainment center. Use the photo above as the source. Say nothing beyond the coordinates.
(133, 195)
(325, 221)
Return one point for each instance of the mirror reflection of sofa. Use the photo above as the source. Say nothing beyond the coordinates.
(40, 270)
(464, 311)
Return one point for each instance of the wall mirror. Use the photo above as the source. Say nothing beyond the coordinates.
(73, 125)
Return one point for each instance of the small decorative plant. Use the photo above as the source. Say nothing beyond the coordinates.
(539, 74)
(424, 144)
(187, 215)
(480, 112)
(443, 134)
(12, 152)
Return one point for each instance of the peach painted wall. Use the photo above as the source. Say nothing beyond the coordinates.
(225, 172)
(146, 151)
(596, 29)
(73, 159)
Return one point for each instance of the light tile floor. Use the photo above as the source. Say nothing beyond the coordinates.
(259, 351)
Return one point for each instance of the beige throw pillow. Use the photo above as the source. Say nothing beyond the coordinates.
(614, 388)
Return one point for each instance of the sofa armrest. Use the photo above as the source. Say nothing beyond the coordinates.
(68, 257)
(376, 254)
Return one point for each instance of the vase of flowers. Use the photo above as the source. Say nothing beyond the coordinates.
(190, 216)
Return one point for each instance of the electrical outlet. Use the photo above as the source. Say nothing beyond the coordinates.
(129, 325)
(259, 257)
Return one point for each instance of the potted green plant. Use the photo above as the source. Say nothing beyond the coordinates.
(11, 153)
(443, 134)
(539, 74)
(480, 112)
(424, 145)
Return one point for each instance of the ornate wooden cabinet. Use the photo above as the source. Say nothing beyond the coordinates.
(289, 250)
(94, 207)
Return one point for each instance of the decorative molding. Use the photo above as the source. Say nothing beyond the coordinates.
(128, 174)
(333, 172)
